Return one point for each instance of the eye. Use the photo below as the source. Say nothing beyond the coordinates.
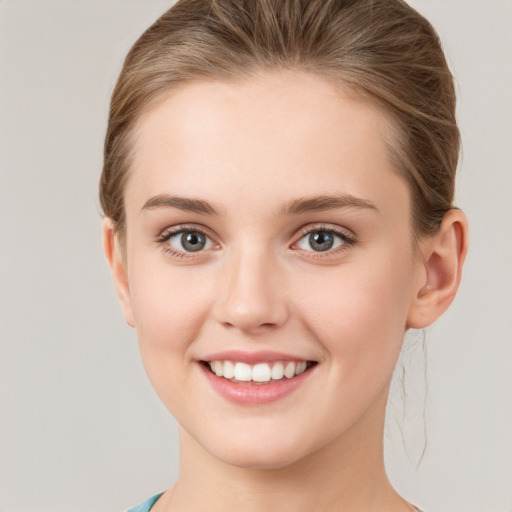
(322, 240)
(187, 240)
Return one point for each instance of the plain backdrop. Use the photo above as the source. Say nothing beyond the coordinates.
(80, 427)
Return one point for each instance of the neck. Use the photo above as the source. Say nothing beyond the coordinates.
(345, 475)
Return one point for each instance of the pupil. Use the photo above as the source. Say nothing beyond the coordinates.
(321, 241)
(192, 241)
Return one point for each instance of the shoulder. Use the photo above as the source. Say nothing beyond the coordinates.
(145, 506)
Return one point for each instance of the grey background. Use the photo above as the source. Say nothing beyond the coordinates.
(80, 428)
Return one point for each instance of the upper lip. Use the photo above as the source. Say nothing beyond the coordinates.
(264, 356)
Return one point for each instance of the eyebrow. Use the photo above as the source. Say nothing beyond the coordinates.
(186, 204)
(324, 203)
(297, 206)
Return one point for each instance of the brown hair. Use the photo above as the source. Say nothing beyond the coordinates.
(382, 49)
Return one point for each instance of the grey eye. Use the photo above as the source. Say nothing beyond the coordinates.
(193, 241)
(189, 241)
(320, 241)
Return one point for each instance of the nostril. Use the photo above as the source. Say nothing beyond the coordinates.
(251, 321)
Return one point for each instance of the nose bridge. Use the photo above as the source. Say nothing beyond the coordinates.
(251, 296)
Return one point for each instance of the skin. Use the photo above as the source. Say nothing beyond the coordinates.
(249, 148)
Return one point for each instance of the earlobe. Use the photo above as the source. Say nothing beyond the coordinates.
(117, 265)
(443, 258)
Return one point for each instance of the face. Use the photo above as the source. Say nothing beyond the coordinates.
(270, 264)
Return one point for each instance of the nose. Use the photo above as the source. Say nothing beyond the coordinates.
(252, 295)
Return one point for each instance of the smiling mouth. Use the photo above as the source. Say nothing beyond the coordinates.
(260, 373)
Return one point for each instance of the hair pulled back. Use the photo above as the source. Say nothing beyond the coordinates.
(381, 49)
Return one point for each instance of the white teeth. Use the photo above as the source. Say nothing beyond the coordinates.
(277, 371)
(301, 367)
(289, 370)
(229, 370)
(261, 372)
(217, 368)
(243, 372)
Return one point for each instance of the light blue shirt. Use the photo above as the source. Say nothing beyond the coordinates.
(146, 505)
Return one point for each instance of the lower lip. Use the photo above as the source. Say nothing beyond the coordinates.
(254, 394)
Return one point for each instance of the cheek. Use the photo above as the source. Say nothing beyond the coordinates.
(360, 314)
(170, 305)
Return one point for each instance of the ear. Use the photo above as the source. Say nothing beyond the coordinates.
(117, 263)
(443, 256)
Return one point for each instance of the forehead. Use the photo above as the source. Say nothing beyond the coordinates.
(277, 133)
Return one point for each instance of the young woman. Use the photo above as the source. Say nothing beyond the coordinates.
(278, 197)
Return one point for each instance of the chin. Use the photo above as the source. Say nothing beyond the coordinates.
(258, 459)
(258, 452)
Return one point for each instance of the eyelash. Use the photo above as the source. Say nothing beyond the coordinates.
(347, 239)
(167, 234)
